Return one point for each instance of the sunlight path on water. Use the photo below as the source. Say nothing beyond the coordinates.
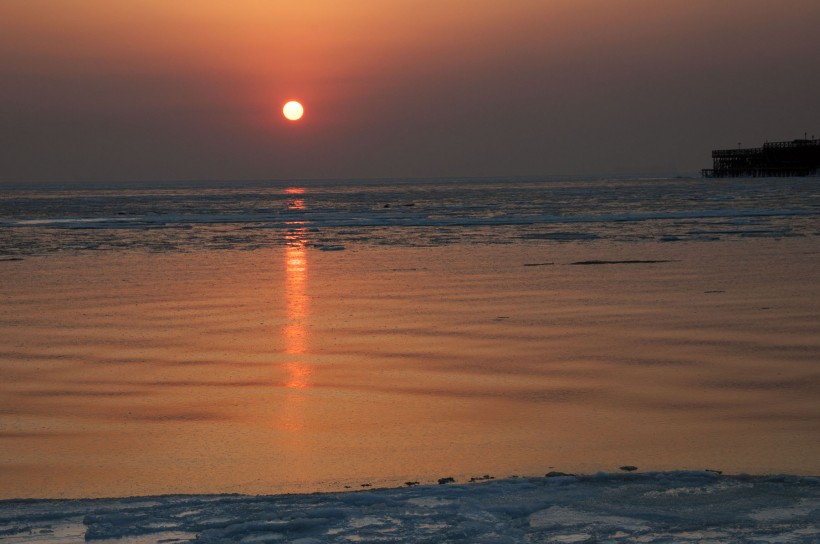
(300, 369)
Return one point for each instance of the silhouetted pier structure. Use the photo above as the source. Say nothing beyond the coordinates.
(774, 159)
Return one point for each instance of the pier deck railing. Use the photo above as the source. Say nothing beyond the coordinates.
(774, 159)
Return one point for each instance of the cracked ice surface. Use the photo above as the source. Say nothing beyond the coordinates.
(672, 507)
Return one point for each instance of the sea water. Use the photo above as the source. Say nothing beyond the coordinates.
(273, 337)
(278, 337)
(251, 215)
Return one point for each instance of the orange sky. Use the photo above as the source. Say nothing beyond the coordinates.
(192, 89)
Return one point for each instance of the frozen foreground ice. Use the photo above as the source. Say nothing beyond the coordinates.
(666, 507)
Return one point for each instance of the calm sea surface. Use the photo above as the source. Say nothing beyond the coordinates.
(279, 337)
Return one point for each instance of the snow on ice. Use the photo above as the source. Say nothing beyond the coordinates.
(672, 507)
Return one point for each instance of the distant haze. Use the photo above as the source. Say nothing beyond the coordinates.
(102, 90)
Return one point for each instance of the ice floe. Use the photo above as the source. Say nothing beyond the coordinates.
(671, 507)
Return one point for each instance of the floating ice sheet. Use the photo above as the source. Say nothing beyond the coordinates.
(653, 507)
(248, 215)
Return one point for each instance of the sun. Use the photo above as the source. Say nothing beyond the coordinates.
(293, 110)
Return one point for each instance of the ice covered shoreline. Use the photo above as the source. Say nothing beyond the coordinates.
(682, 506)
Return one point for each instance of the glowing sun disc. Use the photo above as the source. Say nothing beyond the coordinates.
(293, 110)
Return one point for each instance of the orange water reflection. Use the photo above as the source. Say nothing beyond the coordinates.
(297, 203)
(296, 311)
(295, 330)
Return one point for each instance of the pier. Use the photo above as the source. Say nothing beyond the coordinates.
(774, 159)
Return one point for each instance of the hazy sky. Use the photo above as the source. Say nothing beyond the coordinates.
(193, 89)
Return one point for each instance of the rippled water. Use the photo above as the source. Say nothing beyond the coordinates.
(301, 337)
(414, 213)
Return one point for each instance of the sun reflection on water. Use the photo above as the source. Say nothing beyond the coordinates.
(295, 330)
